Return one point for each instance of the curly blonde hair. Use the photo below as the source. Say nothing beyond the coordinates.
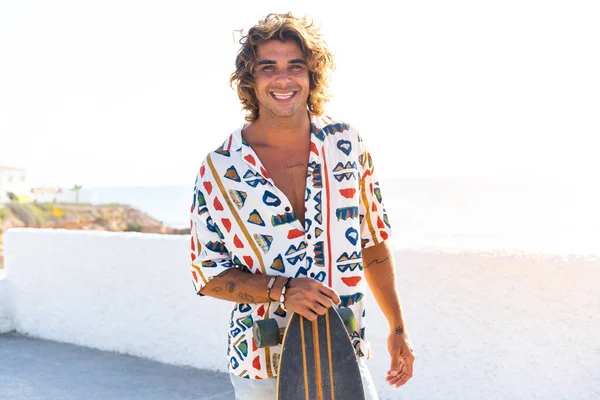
(284, 27)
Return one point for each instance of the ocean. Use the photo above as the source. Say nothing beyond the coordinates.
(500, 215)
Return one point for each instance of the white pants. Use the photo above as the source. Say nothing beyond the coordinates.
(266, 389)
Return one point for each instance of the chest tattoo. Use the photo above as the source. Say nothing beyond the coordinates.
(298, 164)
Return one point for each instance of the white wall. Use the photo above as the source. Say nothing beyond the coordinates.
(127, 292)
(6, 317)
(484, 326)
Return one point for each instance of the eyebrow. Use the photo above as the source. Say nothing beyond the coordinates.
(294, 61)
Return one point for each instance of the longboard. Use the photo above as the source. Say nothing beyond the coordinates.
(317, 360)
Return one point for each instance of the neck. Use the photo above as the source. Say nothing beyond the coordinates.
(279, 131)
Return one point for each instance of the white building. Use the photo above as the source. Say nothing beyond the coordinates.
(49, 195)
(12, 180)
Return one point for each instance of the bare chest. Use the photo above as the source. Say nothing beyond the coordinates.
(288, 172)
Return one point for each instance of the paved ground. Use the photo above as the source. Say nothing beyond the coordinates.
(35, 369)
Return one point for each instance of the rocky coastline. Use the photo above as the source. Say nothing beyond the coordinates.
(110, 217)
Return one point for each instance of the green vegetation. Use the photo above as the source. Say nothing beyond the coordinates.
(132, 227)
(118, 218)
(19, 198)
(30, 214)
(34, 214)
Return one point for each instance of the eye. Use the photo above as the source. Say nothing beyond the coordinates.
(269, 68)
(297, 67)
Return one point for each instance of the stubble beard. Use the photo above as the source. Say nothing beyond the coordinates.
(275, 113)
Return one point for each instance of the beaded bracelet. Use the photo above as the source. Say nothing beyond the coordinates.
(282, 297)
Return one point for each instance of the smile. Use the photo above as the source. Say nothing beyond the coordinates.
(282, 95)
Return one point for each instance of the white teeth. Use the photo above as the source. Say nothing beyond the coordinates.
(282, 96)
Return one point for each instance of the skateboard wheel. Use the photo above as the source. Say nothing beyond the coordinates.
(348, 318)
(266, 333)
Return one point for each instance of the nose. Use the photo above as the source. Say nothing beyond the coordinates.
(282, 78)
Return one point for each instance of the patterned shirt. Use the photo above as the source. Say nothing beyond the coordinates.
(240, 219)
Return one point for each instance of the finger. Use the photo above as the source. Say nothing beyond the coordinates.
(403, 379)
(396, 366)
(408, 364)
(301, 307)
(392, 379)
(324, 301)
(329, 292)
(308, 313)
(313, 300)
(394, 382)
(406, 360)
(319, 309)
(395, 371)
(399, 380)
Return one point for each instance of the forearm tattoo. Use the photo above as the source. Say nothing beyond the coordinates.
(378, 262)
(248, 298)
(230, 286)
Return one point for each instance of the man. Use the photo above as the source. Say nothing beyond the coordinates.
(292, 194)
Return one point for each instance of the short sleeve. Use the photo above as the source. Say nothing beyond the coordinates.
(209, 255)
(374, 224)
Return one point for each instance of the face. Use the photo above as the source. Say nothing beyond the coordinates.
(281, 80)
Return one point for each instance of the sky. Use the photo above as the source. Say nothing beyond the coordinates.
(136, 93)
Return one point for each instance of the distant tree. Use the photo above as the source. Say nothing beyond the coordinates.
(76, 189)
(133, 227)
(12, 196)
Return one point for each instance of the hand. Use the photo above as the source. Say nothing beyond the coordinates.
(402, 358)
(309, 298)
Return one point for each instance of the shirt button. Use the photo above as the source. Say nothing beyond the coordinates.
(287, 209)
(308, 236)
(312, 274)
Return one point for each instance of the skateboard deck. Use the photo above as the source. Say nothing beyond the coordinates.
(318, 361)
